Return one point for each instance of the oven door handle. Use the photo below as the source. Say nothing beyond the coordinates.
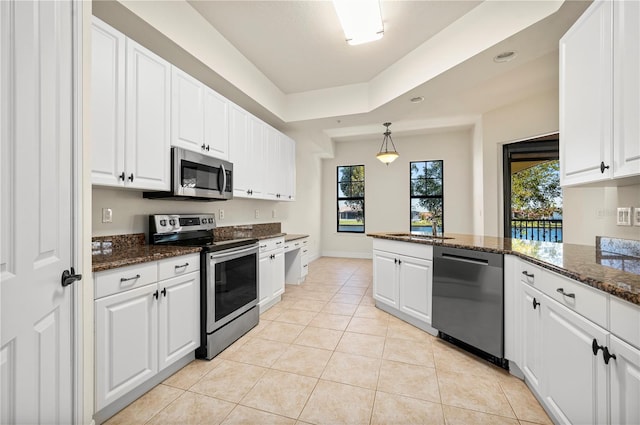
(234, 253)
(224, 179)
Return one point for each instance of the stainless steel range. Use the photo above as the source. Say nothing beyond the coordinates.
(228, 277)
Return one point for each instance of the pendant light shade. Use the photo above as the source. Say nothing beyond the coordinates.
(385, 155)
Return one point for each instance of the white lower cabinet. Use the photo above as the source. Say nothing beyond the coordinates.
(385, 279)
(141, 331)
(403, 279)
(271, 267)
(579, 353)
(574, 380)
(531, 326)
(415, 284)
(625, 382)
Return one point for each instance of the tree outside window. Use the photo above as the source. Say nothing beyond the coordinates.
(427, 206)
(350, 214)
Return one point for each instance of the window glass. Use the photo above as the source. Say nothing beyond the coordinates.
(426, 193)
(350, 199)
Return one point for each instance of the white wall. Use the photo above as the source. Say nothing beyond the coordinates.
(524, 120)
(387, 187)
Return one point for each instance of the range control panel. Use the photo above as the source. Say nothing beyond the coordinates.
(171, 223)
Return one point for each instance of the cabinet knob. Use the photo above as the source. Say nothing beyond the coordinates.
(164, 292)
(603, 167)
(131, 177)
(121, 176)
(535, 303)
(207, 148)
(155, 295)
(606, 355)
(203, 147)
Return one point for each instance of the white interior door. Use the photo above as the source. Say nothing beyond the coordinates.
(36, 363)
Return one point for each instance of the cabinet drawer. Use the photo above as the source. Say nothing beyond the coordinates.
(625, 321)
(267, 245)
(122, 279)
(178, 266)
(588, 302)
(409, 249)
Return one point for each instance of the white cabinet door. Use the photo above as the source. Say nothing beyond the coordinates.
(530, 310)
(179, 318)
(277, 264)
(385, 276)
(126, 342)
(288, 152)
(107, 104)
(415, 285)
(626, 88)
(257, 157)
(216, 124)
(239, 150)
(625, 382)
(574, 381)
(187, 111)
(265, 285)
(148, 117)
(586, 97)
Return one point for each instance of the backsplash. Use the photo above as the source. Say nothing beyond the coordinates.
(246, 231)
(628, 247)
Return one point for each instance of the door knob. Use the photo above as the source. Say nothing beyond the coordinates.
(68, 277)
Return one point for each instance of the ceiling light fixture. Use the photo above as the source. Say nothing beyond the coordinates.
(504, 57)
(361, 20)
(387, 156)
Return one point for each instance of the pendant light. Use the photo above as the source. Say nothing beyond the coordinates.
(385, 155)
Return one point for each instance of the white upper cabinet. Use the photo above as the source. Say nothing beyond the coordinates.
(586, 97)
(216, 124)
(107, 104)
(147, 124)
(626, 88)
(187, 111)
(130, 112)
(600, 94)
(199, 117)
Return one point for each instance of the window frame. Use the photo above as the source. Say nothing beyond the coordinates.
(441, 196)
(350, 198)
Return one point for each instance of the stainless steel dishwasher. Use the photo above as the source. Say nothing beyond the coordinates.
(468, 302)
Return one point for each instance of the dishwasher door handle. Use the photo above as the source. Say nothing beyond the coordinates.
(478, 261)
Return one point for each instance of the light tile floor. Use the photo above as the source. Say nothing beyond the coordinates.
(326, 355)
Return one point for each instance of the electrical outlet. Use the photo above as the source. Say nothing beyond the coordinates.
(221, 214)
(107, 215)
(273, 213)
(636, 216)
(624, 216)
(257, 213)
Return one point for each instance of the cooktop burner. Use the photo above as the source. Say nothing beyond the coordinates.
(190, 230)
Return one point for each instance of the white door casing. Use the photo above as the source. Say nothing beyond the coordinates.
(36, 222)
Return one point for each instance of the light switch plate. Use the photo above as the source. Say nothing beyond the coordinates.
(107, 215)
(624, 216)
(636, 216)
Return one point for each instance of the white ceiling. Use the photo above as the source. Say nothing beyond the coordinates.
(300, 45)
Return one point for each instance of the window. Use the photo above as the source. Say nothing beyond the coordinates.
(351, 199)
(427, 204)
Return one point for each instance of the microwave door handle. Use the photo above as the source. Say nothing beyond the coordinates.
(224, 179)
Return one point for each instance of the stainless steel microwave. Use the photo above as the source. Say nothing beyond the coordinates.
(197, 177)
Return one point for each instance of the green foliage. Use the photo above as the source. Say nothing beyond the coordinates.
(536, 191)
(426, 190)
(351, 185)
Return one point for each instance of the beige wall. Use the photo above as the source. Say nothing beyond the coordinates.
(387, 187)
(131, 211)
(591, 212)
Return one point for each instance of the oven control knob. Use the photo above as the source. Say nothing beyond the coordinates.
(210, 220)
(172, 222)
(163, 223)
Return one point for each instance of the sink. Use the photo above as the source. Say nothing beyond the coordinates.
(419, 236)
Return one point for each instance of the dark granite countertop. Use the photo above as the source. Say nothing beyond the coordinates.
(137, 254)
(275, 235)
(613, 273)
(289, 238)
